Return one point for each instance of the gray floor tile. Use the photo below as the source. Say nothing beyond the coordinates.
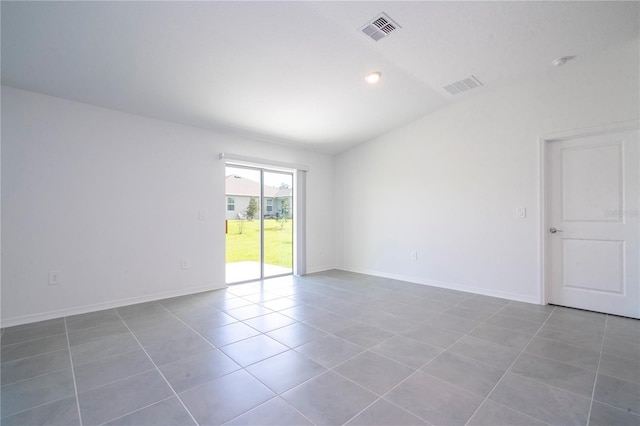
(63, 412)
(157, 335)
(93, 334)
(561, 314)
(92, 319)
(606, 415)
(513, 323)
(383, 413)
(179, 348)
(576, 338)
(33, 347)
(124, 396)
(329, 399)
(159, 319)
(494, 414)
(388, 322)
(374, 372)
(231, 333)
(103, 348)
(329, 351)
(621, 346)
(549, 404)
(575, 323)
(22, 334)
(625, 328)
(230, 303)
(198, 369)
(502, 336)
(286, 370)
(169, 412)
(623, 368)
(261, 297)
(524, 313)
(147, 308)
(330, 323)
(413, 311)
(276, 412)
(270, 322)
(280, 303)
(619, 393)
(531, 306)
(484, 351)
(433, 336)
(435, 401)
(364, 335)
(471, 313)
(303, 312)
(554, 373)
(253, 349)
(182, 302)
(464, 372)
(296, 334)
(98, 373)
(225, 398)
(29, 393)
(50, 322)
(453, 323)
(407, 351)
(247, 312)
(27, 368)
(564, 352)
(206, 318)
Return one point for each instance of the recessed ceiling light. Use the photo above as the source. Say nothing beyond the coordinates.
(561, 61)
(373, 77)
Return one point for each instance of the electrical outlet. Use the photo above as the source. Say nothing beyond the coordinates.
(413, 255)
(186, 264)
(55, 277)
(521, 212)
(202, 215)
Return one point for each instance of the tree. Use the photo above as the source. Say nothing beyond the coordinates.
(283, 217)
(252, 208)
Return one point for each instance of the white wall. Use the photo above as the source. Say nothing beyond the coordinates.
(447, 185)
(112, 201)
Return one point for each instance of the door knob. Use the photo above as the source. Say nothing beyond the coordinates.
(554, 230)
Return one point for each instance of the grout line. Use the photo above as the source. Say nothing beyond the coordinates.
(158, 370)
(509, 369)
(73, 372)
(595, 380)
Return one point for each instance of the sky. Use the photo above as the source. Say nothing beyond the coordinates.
(273, 179)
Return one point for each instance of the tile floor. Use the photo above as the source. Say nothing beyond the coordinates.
(327, 349)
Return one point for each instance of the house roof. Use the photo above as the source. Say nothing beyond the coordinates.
(241, 186)
(293, 71)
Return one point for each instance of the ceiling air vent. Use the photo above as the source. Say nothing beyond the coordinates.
(463, 85)
(379, 27)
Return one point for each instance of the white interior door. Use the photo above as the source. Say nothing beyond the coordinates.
(593, 223)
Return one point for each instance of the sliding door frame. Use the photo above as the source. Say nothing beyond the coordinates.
(262, 169)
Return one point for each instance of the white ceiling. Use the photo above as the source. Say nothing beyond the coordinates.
(293, 72)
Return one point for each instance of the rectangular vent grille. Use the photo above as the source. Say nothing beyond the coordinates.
(379, 27)
(463, 85)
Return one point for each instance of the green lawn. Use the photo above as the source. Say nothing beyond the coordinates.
(278, 243)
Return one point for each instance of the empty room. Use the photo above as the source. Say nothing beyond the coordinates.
(320, 213)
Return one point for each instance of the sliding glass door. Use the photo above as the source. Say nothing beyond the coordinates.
(259, 223)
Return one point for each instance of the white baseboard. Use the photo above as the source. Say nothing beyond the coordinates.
(450, 286)
(27, 319)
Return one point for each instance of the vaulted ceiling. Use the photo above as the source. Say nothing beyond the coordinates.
(293, 72)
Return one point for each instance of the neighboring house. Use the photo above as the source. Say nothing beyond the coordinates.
(239, 190)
